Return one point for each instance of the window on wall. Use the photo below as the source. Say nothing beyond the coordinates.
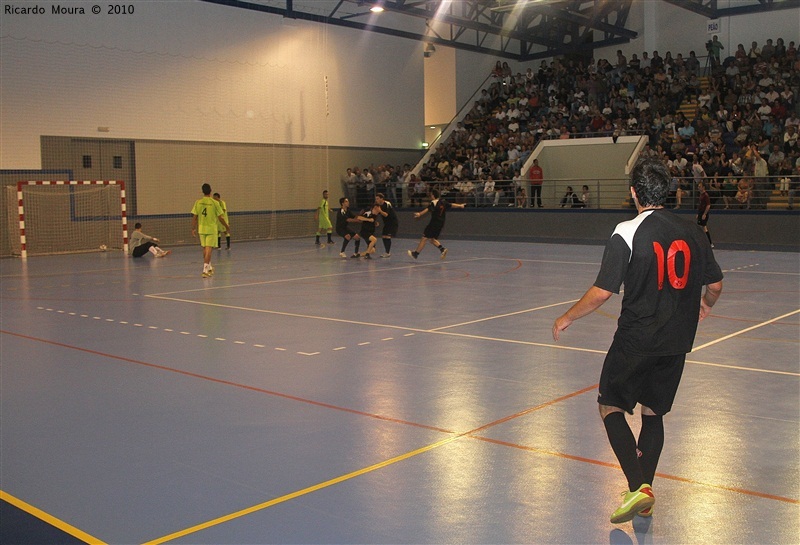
(87, 161)
(118, 161)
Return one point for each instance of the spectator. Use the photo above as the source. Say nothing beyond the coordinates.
(585, 198)
(743, 193)
(570, 199)
(536, 176)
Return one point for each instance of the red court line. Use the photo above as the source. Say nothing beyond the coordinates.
(227, 382)
(470, 434)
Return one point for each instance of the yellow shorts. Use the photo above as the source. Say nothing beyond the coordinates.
(207, 241)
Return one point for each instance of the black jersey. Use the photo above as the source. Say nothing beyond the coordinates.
(342, 225)
(438, 212)
(367, 227)
(390, 221)
(664, 262)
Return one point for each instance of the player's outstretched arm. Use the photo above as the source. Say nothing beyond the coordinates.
(420, 214)
(591, 301)
(713, 291)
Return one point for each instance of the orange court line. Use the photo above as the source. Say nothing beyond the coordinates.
(617, 466)
(453, 436)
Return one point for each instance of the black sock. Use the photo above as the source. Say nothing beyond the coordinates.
(624, 445)
(345, 242)
(387, 244)
(317, 239)
(329, 238)
(651, 441)
(708, 234)
(441, 248)
(358, 245)
(228, 242)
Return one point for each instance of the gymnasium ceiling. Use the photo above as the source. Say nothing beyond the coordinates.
(519, 30)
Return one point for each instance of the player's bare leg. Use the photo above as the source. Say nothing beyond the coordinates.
(208, 270)
(420, 246)
(442, 249)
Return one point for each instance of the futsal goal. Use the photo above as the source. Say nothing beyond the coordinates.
(58, 217)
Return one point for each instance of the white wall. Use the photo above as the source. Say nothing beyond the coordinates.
(440, 86)
(665, 27)
(185, 70)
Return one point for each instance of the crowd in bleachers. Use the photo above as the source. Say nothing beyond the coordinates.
(732, 121)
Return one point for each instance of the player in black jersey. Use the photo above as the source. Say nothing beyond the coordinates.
(390, 223)
(369, 222)
(344, 217)
(664, 262)
(438, 208)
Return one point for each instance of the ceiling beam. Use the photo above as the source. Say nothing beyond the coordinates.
(468, 32)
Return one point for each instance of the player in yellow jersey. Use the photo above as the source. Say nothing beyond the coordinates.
(221, 228)
(205, 214)
(323, 218)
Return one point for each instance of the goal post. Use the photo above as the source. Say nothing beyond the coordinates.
(71, 216)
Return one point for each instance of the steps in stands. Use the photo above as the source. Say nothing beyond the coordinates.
(689, 108)
(777, 201)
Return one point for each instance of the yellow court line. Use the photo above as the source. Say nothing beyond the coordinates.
(49, 519)
(298, 493)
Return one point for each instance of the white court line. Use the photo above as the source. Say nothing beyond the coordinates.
(305, 278)
(438, 331)
(763, 272)
(740, 368)
(505, 315)
(281, 313)
(745, 330)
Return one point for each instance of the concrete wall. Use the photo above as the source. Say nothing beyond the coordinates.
(750, 229)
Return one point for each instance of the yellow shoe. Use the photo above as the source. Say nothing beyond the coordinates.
(633, 503)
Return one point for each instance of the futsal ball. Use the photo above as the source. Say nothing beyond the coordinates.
(103, 248)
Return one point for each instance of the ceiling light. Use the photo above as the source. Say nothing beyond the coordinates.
(376, 9)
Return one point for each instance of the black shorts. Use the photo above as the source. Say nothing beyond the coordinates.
(142, 249)
(344, 233)
(432, 231)
(390, 229)
(628, 379)
(702, 222)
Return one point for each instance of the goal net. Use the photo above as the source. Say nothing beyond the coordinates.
(68, 217)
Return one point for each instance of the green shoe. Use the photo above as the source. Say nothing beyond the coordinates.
(633, 503)
(646, 512)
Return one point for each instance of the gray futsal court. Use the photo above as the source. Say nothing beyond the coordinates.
(297, 397)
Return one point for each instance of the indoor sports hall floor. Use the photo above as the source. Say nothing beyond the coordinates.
(297, 397)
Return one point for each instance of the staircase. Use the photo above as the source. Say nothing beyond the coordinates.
(689, 106)
(777, 202)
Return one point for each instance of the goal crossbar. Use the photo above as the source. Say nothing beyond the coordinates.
(21, 206)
